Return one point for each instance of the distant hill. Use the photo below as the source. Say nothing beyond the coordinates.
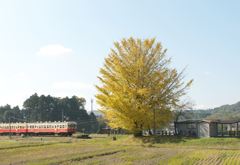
(225, 112)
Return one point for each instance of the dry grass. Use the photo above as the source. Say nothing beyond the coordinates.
(125, 150)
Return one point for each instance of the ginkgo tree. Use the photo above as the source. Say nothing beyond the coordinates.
(138, 89)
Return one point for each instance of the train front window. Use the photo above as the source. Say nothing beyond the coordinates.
(72, 126)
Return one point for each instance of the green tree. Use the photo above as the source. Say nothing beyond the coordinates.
(48, 108)
(138, 86)
(94, 123)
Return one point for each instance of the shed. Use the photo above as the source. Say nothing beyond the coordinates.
(208, 128)
(193, 128)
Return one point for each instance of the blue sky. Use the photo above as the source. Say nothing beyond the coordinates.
(57, 47)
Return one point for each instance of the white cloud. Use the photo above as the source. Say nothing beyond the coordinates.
(201, 106)
(69, 85)
(54, 50)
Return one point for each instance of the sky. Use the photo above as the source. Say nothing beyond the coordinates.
(57, 47)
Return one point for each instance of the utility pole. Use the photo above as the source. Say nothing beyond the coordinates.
(154, 120)
(92, 105)
(62, 115)
(9, 120)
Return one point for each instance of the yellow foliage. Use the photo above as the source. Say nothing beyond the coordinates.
(135, 81)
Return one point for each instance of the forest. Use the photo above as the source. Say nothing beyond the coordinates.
(48, 108)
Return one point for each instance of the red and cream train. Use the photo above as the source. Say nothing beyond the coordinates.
(39, 128)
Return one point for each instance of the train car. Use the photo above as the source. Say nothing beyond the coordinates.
(39, 128)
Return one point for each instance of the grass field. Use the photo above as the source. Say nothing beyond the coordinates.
(101, 149)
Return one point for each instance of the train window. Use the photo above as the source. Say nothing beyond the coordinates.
(72, 125)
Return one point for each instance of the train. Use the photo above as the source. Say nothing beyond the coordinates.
(65, 128)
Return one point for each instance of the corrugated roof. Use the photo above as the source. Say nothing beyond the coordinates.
(210, 121)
